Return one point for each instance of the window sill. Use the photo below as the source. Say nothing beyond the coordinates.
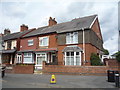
(72, 43)
(43, 46)
(30, 45)
(28, 63)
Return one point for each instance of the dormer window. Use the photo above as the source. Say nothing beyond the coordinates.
(72, 38)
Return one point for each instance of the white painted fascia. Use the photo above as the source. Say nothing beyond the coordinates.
(93, 21)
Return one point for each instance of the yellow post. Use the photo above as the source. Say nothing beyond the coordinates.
(53, 79)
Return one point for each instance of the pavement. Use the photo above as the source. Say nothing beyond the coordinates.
(63, 81)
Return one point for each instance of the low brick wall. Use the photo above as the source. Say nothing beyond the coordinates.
(83, 70)
(23, 69)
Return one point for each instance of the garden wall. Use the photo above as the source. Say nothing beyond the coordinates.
(81, 70)
(23, 69)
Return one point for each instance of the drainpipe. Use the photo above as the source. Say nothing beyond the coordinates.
(83, 45)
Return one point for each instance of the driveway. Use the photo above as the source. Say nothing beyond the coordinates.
(63, 81)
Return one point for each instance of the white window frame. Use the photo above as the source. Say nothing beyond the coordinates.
(75, 58)
(30, 42)
(43, 44)
(28, 56)
(40, 56)
(72, 38)
(19, 58)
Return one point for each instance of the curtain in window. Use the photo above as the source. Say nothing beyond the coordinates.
(68, 39)
(27, 59)
(75, 37)
(44, 41)
(40, 58)
(77, 60)
(71, 58)
(72, 38)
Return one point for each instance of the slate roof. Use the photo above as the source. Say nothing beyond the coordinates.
(37, 32)
(46, 50)
(8, 51)
(15, 35)
(25, 51)
(72, 49)
(73, 25)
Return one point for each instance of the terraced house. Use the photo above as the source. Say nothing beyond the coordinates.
(70, 43)
(11, 44)
(67, 44)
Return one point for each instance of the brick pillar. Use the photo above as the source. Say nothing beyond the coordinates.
(43, 64)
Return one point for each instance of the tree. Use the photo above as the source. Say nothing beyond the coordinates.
(95, 60)
(106, 52)
(118, 56)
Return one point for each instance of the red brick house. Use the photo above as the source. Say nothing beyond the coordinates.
(69, 43)
(11, 44)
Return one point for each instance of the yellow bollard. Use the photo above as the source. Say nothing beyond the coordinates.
(53, 80)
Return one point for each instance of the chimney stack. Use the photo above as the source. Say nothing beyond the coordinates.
(6, 32)
(23, 27)
(52, 21)
(1, 34)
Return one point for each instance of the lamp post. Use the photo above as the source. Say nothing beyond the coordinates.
(83, 45)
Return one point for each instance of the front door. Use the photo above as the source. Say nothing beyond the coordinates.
(40, 57)
(53, 57)
(19, 58)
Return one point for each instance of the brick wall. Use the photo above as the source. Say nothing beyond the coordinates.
(111, 62)
(84, 70)
(96, 28)
(24, 43)
(23, 69)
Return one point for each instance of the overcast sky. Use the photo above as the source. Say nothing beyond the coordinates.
(36, 13)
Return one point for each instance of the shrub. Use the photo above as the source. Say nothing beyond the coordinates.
(106, 52)
(118, 56)
(95, 60)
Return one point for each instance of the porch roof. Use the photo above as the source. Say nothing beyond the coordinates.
(25, 51)
(8, 51)
(46, 50)
(72, 49)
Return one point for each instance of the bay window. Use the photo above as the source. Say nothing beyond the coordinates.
(28, 58)
(72, 58)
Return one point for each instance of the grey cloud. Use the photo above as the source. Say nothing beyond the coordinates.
(16, 12)
(39, 11)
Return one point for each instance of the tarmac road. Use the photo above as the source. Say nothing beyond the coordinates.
(63, 81)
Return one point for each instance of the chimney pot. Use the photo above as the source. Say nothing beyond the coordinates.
(6, 32)
(52, 21)
(23, 27)
(50, 18)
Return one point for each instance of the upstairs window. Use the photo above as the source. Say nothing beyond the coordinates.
(30, 42)
(72, 38)
(8, 44)
(44, 41)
